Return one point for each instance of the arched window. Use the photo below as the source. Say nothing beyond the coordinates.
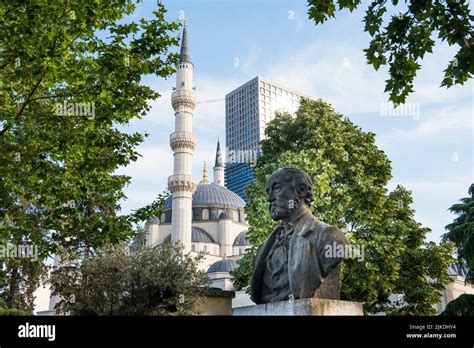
(241, 251)
(205, 248)
(205, 214)
(193, 247)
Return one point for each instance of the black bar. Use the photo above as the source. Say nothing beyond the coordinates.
(289, 331)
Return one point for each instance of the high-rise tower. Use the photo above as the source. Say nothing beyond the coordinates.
(248, 109)
(183, 142)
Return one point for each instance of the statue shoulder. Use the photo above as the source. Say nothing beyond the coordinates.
(320, 232)
(334, 234)
(310, 227)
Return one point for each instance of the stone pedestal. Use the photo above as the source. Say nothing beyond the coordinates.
(309, 306)
(215, 302)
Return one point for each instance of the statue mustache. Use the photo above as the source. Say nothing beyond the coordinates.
(276, 204)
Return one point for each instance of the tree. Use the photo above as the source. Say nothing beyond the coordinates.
(408, 36)
(461, 233)
(4, 310)
(463, 305)
(117, 281)
(70, 80)
(350, 174)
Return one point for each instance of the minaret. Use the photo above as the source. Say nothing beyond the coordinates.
(219, 167)
(183, 142)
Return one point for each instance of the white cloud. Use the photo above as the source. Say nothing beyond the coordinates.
(252, 57)
(340, 74)
(454, 185)
(156, 164)
(445, 122)
(341, 77)
(432, 198)
(435, 219)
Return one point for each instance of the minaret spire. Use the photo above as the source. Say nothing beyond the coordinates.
(204, 175)
(185, 53)
(219, 166)
(183, 142)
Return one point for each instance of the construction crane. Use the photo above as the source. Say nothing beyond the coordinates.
(210, 101)
(205, 101)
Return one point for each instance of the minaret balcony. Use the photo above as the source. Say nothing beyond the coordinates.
(183, 97)
(183, 139)
(181, 182)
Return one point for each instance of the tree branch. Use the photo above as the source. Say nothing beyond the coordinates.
(28, 98)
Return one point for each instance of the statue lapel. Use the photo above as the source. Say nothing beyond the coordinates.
(298, 254)
(259, 263)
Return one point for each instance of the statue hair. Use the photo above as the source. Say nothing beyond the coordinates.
(302, 181)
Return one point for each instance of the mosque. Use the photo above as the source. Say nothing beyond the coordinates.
(205, 217)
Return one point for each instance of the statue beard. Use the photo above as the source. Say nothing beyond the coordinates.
(281, 211)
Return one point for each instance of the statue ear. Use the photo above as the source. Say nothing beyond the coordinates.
(304, 192)
(302, 189)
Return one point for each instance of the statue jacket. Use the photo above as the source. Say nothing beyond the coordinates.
(313, 271)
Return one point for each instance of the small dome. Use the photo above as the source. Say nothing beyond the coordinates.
(241, 239)
(455, 269)
(198, 235)
(212, 195)
(155, 220)
(224, 265)
(225, 215)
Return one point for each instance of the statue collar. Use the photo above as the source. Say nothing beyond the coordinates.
(292, 223)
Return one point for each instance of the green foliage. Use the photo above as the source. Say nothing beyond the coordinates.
(116, 281)
(57, 183)
(463, 305)
(461, 232)
(22, 277)
(350, 174)
(5, 311)
(408, 36)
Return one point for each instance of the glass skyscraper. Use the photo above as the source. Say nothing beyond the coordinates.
(248, 109)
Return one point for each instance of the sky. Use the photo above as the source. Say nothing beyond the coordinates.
(430, 143)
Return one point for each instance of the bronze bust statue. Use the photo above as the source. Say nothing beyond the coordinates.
(292, 263)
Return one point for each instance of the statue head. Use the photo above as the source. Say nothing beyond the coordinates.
(289, 193)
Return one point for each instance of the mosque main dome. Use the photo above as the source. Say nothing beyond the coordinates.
(210, 202)
(212, 195)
